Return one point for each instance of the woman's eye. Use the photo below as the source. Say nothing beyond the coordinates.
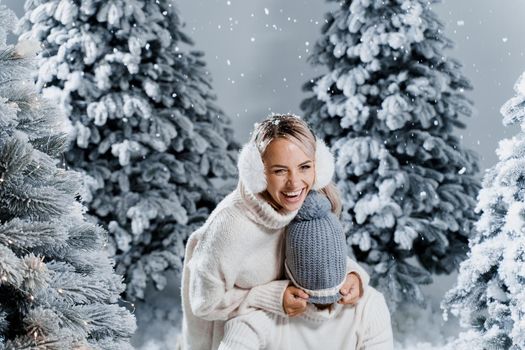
(280, 171)
(304, 167)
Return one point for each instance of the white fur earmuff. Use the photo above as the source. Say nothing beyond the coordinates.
(324, 165)
(253, 177)
(251, 168)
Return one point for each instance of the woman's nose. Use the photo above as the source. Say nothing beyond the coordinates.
(292, 178)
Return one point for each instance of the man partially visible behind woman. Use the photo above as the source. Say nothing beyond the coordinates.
(315, 262)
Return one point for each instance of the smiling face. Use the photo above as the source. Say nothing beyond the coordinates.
(290, 174)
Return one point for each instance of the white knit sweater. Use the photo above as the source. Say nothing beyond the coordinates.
(366, 326)
(234, 265)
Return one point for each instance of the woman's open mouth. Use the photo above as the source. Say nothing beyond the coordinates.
(293, 197)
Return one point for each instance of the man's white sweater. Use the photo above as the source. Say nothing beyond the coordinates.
(365, 326)
(234, 265)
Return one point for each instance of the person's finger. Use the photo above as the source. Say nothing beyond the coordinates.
(296, 303)
(296, 311)
(299, 303)
(288, 301)
(301, 294)
(298, 293)
(344, 289)
(292, 313)
(299, 307)
(347, 285)
(350, 298)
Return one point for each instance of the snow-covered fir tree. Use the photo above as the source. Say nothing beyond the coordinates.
(389, 106)
(58, 289)
(147, 131)
(489, 297)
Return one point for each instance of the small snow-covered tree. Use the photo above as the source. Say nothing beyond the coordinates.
(147, 131)
(58, 289)
(489, 297)
(388, 107)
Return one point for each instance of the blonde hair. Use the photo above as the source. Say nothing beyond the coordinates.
(293, 129)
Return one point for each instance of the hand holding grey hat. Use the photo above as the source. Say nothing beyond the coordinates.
(316, 250)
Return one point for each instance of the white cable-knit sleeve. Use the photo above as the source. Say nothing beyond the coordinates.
(211, 300)
(213, 269)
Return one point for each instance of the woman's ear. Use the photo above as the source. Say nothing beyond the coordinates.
(251, 169)
(324, 165)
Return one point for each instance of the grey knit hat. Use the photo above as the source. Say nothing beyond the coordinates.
(316, 250)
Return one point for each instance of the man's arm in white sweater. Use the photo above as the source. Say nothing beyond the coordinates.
(213, 269)
(377, 326)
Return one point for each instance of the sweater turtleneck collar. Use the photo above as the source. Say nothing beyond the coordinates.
(261, 212)
(319, 316)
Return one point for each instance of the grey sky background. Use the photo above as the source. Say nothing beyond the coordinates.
(256, 53)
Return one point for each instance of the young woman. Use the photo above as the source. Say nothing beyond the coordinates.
(234, 262)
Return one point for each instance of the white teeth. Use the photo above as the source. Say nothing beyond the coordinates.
(292, 194)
